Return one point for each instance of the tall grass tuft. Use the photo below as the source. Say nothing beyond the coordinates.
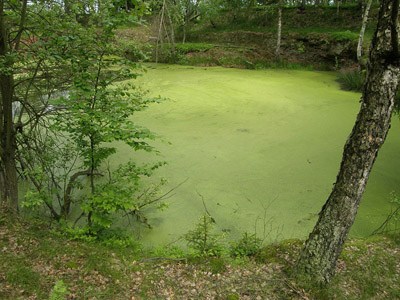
(351, 80)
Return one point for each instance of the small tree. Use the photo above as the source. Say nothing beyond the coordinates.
(96, 113)
(202, 239)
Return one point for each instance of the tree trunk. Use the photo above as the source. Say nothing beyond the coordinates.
(8, 144)
(278, 42)
(318, 258)
(184, 33)
(160, 29)
(7, 133)
(337, 8)
(362, 32)
(172, 31)
(3, 194)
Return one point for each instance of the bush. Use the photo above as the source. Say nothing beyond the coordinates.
(134, 51)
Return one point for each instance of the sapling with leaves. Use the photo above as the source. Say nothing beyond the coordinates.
(76, 100)
(99, 111)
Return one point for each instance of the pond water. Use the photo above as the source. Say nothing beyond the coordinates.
(261, 147)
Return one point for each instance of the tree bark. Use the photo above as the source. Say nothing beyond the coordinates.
(337, 8)
(172, 31)
(318, 258)
(8, 142)
(160, 29)
(278, 42)
(362, 32)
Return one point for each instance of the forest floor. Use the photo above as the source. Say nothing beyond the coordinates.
(36, 263)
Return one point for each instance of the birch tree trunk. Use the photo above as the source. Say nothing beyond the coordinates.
(362, 32)
(278, 42)
(318, 258)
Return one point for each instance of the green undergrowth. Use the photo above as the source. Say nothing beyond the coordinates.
(36, 263)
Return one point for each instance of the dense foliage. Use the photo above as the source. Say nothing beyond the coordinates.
(70, 103)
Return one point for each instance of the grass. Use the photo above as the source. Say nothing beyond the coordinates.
(367, 269)
(345, 35)
(351, 80)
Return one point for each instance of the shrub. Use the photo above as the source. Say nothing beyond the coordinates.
(134, 51)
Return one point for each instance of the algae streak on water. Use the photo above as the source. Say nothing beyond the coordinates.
(261, 147)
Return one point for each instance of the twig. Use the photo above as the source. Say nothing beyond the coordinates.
(205, 207)
(380, 229)
(148, 260)
(294, 289)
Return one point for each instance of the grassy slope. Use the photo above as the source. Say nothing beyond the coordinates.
(33, 260)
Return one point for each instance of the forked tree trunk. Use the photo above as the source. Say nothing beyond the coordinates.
(278, 41)
(318, 258)
(362, 32)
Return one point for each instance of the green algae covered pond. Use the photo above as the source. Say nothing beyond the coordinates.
(261, 147)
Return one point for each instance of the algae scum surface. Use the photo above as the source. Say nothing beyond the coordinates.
(262, 147)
